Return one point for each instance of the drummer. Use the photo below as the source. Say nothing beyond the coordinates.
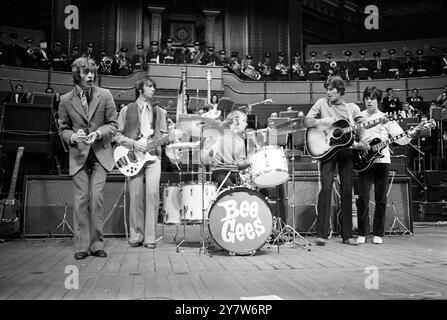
(226, 153)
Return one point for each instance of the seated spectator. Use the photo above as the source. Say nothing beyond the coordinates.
(415, 97)
(139, 59)
(154, 54)
(313, 68)
(392, 65)
(19, 95)
(408, 66)
(391, 103)
(377, 66)
(434, 66)
(30, 58)
(420, 65)
(363, 68)
(168, 53)
(13, 53)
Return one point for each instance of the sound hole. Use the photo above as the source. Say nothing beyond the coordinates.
(337, 133)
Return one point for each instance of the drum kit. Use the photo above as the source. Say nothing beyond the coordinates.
(239, 218)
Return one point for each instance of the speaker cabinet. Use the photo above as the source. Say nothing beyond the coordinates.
(306, 199)
(47, 198)
(28, 125)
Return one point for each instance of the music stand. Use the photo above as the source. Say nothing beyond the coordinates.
(225, 106)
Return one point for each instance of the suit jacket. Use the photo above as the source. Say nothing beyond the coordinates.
(101, 116)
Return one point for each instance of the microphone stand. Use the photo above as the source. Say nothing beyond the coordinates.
(203, 247)
(423, 184)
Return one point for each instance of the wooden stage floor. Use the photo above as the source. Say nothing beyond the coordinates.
(408, 267)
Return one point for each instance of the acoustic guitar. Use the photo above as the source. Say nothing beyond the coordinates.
(324, 142)
(10, 207)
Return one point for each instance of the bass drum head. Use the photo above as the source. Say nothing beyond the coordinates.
(240, 220)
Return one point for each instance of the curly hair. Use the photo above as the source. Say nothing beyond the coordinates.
(85, 64)
(335, 82)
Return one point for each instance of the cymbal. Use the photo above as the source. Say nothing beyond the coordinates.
(295, 123)
(185, 119)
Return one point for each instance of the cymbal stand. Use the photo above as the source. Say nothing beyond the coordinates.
(285, 229)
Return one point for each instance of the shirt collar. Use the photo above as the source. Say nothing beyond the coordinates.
(80, 91)
(141, 104)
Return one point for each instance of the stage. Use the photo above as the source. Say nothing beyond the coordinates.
(404, 267)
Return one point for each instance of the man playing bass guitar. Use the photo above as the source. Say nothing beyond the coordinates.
(331, 109)
(138, 123)
(378, 173)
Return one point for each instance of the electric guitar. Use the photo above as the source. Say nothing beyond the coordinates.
(323, 142)
(9, 207)
(129, 162)
(364, 159)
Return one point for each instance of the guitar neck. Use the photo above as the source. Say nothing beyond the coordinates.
(12, 186)
(156, 143)
(383, 144)
(362, 125)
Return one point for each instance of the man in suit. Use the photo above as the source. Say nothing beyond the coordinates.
(87, 123)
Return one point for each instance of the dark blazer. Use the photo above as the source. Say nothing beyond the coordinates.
(101, 116)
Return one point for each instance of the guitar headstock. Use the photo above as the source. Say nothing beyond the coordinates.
(426, 124)
(20, 152)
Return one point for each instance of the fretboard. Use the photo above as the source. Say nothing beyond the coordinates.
(362, 125)
(156, 143)
(12, 186)
(382, 144)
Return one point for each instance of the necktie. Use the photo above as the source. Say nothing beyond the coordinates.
(145, 122)
(84, 101)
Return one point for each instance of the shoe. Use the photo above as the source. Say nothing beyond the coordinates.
(99, 254)
(351, 242)
(135, 244)
(377, 240)
(320, 242)
(361, 240)
(150, 245)
(80, 255)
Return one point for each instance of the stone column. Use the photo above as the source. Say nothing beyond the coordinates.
(156, 12)
(210, 26)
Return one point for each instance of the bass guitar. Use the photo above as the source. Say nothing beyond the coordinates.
(9, 207)
(364, 159)
(323, 142)
(129, 162)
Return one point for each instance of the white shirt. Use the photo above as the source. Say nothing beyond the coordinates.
(383, 132)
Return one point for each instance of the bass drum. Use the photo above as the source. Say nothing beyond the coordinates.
(240, 220)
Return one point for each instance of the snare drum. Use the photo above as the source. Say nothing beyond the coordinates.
(171, 203)
(269, 167)
(240, 220)
(191, 200)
